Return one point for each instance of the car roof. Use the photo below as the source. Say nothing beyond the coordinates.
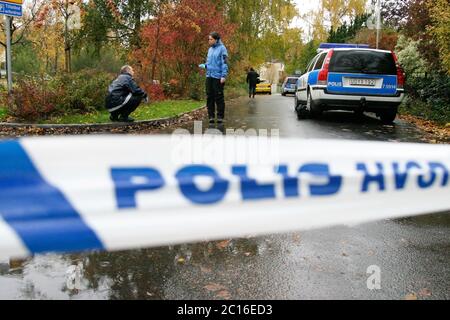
(355, 49)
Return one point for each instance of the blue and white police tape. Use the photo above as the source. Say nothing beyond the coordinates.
(69, 194)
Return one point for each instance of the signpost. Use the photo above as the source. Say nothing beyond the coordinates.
(378, 14)
(10, 8)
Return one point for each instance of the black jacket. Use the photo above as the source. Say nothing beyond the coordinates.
(252, 78)
(121, 88)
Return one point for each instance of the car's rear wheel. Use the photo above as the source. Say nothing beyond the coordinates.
(388, 116)
(312, 107)
(359, 113)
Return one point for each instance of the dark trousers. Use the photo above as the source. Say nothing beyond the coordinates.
(252, 89)
(128, 108)
(214, 93)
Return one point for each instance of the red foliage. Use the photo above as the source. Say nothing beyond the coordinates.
(175, 42)
(155, 91)
(32, 100)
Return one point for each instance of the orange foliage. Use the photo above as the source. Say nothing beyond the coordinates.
(175, 42)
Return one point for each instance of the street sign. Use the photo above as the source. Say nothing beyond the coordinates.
(11, 9)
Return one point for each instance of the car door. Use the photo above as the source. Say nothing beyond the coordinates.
(302, 83)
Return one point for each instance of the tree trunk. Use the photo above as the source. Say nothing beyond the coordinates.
(154, 61)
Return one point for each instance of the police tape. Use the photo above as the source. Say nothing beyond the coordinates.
(70, 194)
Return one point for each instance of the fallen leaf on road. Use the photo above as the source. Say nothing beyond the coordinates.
(214, 287)
(411, 296)
(224, 294)
(223, 244)
(425, 292)
(181, 260)
(247, 254)
(205, 269)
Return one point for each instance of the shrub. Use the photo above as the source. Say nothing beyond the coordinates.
(32, 99)
(84, 91)
(40, 97)
(172, 89)
(196, 87)
(155, 92)
(429, 96)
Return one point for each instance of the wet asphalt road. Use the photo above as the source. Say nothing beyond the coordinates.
(413, 254)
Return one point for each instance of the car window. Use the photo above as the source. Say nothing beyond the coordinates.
(368, 62)
(310, 66)
(291, 81)
(320, 61)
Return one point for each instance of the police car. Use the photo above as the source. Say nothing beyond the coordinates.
(351, 77)
(289, 85)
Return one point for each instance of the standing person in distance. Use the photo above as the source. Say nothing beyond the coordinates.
(216, 73)
(252, 80)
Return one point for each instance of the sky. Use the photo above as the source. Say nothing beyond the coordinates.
(304, 6)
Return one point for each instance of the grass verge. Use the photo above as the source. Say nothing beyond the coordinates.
(155, 110)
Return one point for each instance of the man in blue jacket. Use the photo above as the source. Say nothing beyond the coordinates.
(216, 73)
(124, 96)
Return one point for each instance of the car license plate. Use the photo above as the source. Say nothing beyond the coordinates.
(362, 82)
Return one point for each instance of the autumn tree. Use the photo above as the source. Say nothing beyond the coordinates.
(347, 31)
(394, 13)
(440, 29)
(258, 21)
(337, 11)
(417, 28)
(116, 20)
(20, 26)
(177, 40)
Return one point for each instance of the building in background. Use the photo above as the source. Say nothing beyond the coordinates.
(273, 72)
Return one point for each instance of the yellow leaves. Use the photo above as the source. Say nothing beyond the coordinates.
(411, 296)
(334, 13)
(440, 29)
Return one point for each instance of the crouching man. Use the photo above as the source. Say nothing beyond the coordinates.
(124, 96)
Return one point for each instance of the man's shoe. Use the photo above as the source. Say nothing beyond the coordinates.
(212, 121)
(219, 121)
(126, 119)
